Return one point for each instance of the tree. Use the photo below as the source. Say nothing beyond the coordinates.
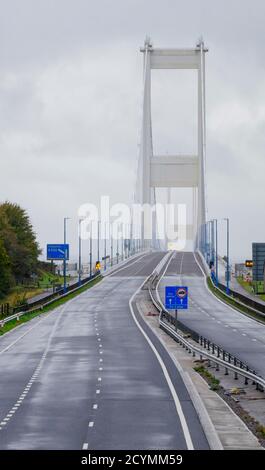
(19, 240)
(5, 271)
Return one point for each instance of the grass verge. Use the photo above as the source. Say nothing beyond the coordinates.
(213, 382)
(57, 303)
(232, 302)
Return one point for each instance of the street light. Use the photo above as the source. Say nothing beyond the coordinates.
(98, 238)
(90, 250)
(64, 261)
(105, 247)
(216, 250)
(111, 245)
(227, 256)
(79, 251)
(122, 242)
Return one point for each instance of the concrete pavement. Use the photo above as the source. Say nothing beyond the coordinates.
(84, 376)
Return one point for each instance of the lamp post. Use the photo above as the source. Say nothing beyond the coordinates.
(122, 242)
(227, 256)
(216, 249)
(105, 247)
(117, 246)
(90, 251)
(98, 238)
(111, 245)
(64, 261)
(212, 240)
(79, 251)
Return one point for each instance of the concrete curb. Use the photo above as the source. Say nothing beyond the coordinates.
(205, 420)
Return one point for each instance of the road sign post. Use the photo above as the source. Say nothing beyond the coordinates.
(59, 252)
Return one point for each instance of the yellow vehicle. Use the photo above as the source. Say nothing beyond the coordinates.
(97, 266)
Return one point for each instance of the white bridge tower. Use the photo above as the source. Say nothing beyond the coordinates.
(170, 171)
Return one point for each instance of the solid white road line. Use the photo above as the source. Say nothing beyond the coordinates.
(178, 406)
(128, 265)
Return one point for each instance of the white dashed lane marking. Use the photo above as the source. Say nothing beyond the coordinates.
(85, 446)
(91, 424)
(95, 406)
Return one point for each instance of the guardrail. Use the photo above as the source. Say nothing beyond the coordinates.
(241, 299)
(71, 289)
(211, 352)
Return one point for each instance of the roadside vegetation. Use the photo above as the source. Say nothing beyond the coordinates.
(213, 382)
(249, 287)
(22, 275)
(19, 249)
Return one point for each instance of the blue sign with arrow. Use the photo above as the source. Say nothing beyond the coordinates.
(59, 251)
(176, 297)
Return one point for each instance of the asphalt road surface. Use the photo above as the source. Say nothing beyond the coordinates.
(84, 376)
(235, 332)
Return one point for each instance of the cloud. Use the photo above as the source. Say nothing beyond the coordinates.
(70, 91)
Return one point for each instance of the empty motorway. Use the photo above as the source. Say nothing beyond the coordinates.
(84, 376)
(235, 332)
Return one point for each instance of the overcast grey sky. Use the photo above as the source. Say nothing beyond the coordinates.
(70, 105)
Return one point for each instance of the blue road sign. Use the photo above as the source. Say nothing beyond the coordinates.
(60, 251)
(176, 297)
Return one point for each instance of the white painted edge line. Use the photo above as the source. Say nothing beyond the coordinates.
(234, 310)
(44, 317)
(24, 334)
(128, 264)
(204, 417)
(110, 270)
(178, 406)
